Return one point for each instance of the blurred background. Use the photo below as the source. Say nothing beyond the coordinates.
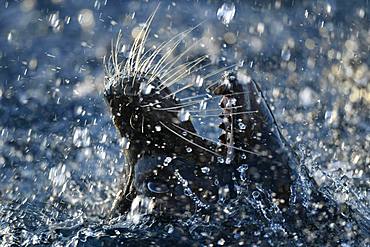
(60, 155)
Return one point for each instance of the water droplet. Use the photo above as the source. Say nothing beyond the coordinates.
(146, 89)
(243, 172)
(226, 13)
(125, 143)
(86, 19)
(170, 228)
(361, 13)
(221, 241)
(306, 96)
(285, 54)
(188, 192)
(205, 169)
(256, 194)
(199, 81)
(220, 160)
(230, 38)
(183, 115)
(203, 105)
(81, 137)
(10, 37)
(140, 206)
(242, 126)
(260, 28)
(224, 193)
(328, 8)
(216, 182)
(167, 160)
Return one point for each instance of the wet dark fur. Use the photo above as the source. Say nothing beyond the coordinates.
(145, 141)
(268, 159)
(167, 159)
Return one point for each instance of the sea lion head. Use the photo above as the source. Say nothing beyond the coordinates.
(142, 110)
(131, 98)
(145, 111)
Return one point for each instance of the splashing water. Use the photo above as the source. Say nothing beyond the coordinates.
(60, 155)
(226, 13)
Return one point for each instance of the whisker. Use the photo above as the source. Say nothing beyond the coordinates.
(118, 44)
(149, 60)
(173, 107)
(132, 54)
(162, 60)
(147, 63)
(146, 34)
(142, 125)
(142, 40)
(196, 70)
(177, 91)
(158, 68)
(141, 53)
(178, 68)
(144, 57)
(113, 57)
(219, 71)
(218, 143)
(205, 110)
(224, 114)
(198, 101)
(170, 109)
(174, 61)
(196, 96)
(186, 104)
(182, 71)
(112, 66)
(184, 138)
(140, 37)
(188, 71)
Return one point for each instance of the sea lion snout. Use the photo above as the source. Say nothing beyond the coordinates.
(175, 184)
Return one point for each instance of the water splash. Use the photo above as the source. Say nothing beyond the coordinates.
(226, 13)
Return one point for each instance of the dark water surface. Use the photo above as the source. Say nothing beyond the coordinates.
(60, 155)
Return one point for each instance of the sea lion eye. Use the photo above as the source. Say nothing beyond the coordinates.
(157, 187)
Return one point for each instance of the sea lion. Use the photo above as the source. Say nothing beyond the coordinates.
(169, 161)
